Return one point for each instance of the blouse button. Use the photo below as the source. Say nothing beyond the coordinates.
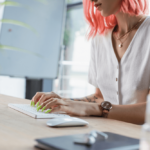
(116, 79)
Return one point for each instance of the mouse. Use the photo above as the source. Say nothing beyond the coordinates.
(66, 121)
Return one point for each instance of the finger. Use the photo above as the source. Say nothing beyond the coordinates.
(44, 98)
(36, 98)
(59, 108)
(43, 105)
(47, 101)
(56, 109)
(54, 103)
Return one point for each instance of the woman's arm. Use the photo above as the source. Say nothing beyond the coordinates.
(129, 113)
(42, 97)
(134, 113)
(97, 97)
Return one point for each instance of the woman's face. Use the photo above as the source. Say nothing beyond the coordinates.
(107, 7)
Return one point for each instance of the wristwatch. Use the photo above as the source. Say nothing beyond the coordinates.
(106, 106)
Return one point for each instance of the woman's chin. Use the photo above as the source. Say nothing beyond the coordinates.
(104, 14)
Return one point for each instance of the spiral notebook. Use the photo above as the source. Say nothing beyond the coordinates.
(31, 111)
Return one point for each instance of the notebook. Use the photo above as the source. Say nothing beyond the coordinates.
(31, 111)
(114, 142)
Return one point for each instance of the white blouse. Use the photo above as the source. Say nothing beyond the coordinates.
(119, 81)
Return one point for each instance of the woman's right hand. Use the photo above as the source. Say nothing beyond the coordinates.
(42, 97)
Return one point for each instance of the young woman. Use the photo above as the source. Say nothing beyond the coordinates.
(120, 63)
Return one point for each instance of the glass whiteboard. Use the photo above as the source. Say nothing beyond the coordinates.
(31, 38)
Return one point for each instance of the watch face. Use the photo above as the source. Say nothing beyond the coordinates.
(106, 105)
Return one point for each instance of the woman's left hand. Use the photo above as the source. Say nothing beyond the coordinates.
(77, 108)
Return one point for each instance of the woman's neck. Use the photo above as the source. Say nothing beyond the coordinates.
(125, 22)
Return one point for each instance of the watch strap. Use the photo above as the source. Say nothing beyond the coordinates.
(105, 113)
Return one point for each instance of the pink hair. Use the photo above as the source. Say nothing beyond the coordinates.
(98, 23)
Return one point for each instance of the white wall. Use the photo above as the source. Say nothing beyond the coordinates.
(12, 86)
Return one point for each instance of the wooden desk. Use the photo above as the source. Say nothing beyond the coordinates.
(18, 131)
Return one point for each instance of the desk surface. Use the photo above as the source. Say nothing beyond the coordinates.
(18, 131)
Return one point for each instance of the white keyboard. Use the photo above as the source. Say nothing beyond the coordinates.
(31, 111)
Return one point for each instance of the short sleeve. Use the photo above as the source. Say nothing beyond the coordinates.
(92, 73)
